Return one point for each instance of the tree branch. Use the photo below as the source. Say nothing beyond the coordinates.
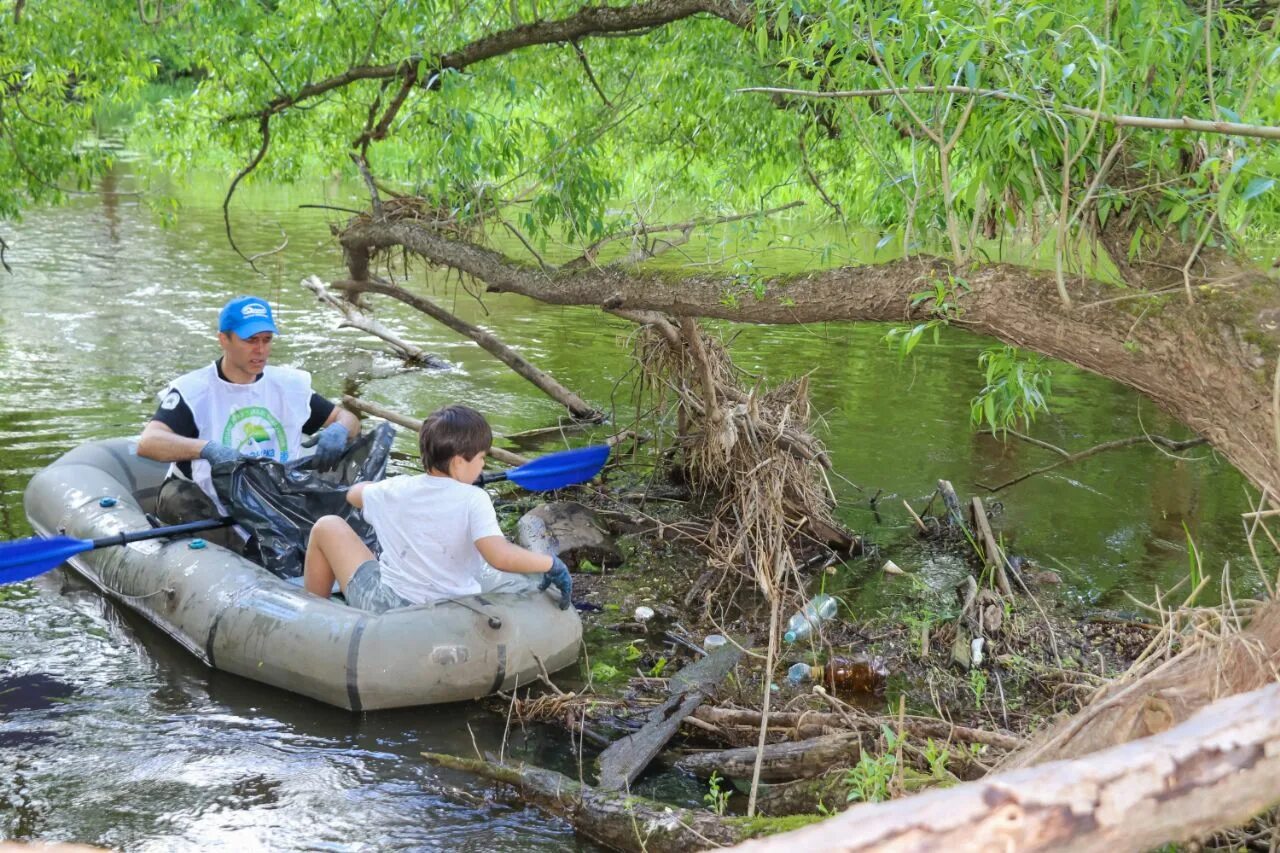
(1118, 119)
(1071, 458)
(593, 21)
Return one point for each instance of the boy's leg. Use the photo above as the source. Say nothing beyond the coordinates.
(334, 552)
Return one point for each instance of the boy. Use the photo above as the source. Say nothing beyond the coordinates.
(437, 530)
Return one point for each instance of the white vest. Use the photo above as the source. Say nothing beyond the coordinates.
(263, 418)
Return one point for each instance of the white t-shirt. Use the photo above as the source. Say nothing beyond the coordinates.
(428, 527)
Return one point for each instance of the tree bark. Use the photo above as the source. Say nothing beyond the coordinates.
(781, 762)
(619, 821)
(1202, 363)
(1214, 771)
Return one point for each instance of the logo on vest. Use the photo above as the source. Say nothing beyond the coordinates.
(254, 431)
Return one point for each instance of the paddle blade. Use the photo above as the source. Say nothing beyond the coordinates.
(557, 470)
(27, 558)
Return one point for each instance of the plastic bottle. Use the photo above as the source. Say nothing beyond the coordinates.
(799, 673)
(714, 641)
(819, 609)
(842, 675)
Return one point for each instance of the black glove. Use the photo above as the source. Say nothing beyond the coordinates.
(330, 445)
(558, 575)
(215, 453)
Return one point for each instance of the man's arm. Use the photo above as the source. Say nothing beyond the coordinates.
(339, 415)
(161, 443)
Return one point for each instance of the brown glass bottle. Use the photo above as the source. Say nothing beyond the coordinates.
(851, 675)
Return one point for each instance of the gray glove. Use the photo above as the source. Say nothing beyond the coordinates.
(558, 575)
(216, 454)
(330, 444)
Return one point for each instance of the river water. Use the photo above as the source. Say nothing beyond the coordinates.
(111, 734)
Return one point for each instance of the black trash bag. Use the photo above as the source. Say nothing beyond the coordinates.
(277, 503)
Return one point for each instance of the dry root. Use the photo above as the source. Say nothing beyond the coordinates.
(748, 450)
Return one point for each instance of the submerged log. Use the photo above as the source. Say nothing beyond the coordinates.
(622, 822)
(780, 762)
(1214, 771)
(623, 761)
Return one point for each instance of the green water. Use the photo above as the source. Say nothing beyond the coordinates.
(147, 750)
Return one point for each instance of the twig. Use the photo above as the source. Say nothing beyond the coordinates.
(1118, 119)
(1100, 448)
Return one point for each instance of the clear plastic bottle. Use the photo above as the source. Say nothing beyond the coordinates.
(799, 673)
(819, 609)
(714, 641)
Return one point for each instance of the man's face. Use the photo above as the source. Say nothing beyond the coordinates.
(244, 358)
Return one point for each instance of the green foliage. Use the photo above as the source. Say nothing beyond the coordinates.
(601, 671)
(524, 137)
(716, 797)
(978, 686)
(869, 780)
(1017, 388)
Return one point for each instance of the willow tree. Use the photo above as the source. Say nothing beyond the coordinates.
(1089, 180)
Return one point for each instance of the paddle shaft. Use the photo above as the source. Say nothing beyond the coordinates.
(493, 477)
(158, 532)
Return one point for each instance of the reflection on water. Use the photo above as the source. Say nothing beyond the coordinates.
(120, 738)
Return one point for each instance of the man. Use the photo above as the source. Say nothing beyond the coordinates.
(237, 406)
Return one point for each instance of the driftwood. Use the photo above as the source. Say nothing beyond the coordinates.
(828, 791)
(621, 822)
(487, 341)
(805, 724)
(623, 761)
(780, 762)
(952, 502)
(993, 555)
(357, 319)
(506, 457)
(1216, 770)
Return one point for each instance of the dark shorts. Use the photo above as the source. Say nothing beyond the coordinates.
(366, 591)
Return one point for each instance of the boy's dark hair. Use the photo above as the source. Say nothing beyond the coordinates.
(452, 431)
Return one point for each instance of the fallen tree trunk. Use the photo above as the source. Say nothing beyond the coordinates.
(780, 762)
(1202, 363)
(619, 821)
(1216, 770)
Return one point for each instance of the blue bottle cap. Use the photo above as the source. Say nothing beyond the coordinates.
(196, 544)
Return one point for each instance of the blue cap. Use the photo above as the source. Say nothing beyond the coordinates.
(246, 316)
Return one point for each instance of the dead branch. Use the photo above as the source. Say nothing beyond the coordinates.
(1072, 458)
(487, 341)
(357, 319)
(357, 405)
(1227, 128)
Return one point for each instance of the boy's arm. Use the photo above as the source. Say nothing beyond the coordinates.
(508, 557)
(355, 495)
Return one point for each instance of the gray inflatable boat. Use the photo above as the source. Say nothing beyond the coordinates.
(238, 617)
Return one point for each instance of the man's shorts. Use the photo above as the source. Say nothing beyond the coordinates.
(366, 591)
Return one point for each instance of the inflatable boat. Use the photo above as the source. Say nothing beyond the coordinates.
(237, 617)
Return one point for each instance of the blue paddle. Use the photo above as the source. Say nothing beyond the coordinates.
(555, 470)
(27, 558)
